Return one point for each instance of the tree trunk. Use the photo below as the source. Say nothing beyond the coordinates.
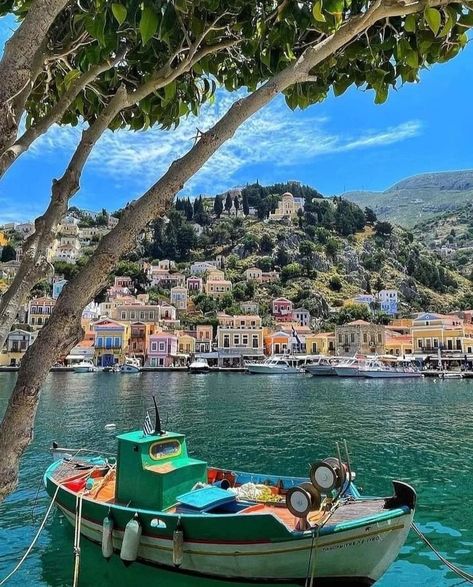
(63, 330)
(21, 59)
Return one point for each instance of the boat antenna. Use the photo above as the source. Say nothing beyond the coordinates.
(157, 426)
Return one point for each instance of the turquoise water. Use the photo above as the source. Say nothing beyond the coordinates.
(417, 431)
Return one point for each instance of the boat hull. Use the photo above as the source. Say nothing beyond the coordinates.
(276, 370)
(250, 547)
(321, 370)
(347, 371)
(389, 375)
(129, 369)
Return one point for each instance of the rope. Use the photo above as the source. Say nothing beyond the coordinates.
(30, 548)
(77, 528)
(463, 574)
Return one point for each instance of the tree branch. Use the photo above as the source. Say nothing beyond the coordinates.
(18, 63)
(56, 113)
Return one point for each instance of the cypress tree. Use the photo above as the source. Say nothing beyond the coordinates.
(218, 206)
(246, 206)
(228, 203)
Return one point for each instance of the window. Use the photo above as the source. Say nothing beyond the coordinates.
(352, 337)
(226, 341)
(123, 315)
(255, 342)
(245, 339)
(117, 341)
(162, 346)
(132, 315)
(380, 338)
(340, 338)
(108, 342)
(236, 339)
(99, 342)
(365, 337)
(142, 315)
(154, 347)
(346, 338)
(419, 343)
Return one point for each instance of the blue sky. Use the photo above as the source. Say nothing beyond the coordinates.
(346, 143)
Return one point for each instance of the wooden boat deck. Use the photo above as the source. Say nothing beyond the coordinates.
(104, 492)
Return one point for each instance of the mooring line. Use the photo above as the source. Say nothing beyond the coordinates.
(468, 577)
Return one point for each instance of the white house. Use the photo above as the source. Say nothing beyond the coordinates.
(179, 297)
(301, 316)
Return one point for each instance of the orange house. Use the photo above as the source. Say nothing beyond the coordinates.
(277, 343)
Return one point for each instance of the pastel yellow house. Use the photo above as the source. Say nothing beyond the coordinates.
(217, 288)
(397, 344)
(432, 331)
(186, 344)
(320, 343)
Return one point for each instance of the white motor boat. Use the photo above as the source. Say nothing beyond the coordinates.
(131, 365)
(277, 365)
(350, 367)
(199, 366)
(322, 366)
(85, 366)
(451, 375)
(377, 369)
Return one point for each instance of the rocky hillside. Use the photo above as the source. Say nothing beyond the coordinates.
(451, 235)
(328, 252)
(419, 198)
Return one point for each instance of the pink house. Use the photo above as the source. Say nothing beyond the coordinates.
(195, 284)
(282, 310)
(162, 348)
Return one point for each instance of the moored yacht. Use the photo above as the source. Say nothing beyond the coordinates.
(350, 367)
(131, 365)
(379, 369)
(199, 366)
(322, 366)
(85, 366)
(278, 365)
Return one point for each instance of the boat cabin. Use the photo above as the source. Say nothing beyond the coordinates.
(153, 470)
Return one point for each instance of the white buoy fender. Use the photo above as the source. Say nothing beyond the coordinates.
(131, 541)
(107, 538)
(178, 544)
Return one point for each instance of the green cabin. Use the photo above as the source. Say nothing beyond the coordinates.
(152, 470)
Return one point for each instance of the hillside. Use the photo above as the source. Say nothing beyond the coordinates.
(451, 235)
(419, 198)
(327, 253)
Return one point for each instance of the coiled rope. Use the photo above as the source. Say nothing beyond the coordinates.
(460, 572)
(30, 547)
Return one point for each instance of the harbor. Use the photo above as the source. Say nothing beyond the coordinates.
(277, 424)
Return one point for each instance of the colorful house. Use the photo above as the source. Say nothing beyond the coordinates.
(17, 343)
(179, 297)
(195, 284)
(301, 316)
(138, 341)
(282, 310)
(254, 274)
(432, 331)
(397, 344)
(218, 288)
(320, 343)
(203, 338)
(186, 344)
(277, 343)
(162, 349)
(39, 311)
(359, 336)
(111, 340)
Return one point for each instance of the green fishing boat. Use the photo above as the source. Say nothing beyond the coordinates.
(155, 504)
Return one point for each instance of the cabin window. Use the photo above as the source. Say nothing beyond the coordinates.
(164, 449)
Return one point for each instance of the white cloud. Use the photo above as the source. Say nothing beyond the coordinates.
(274, 136)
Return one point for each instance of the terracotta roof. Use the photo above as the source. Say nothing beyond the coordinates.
(358, 323)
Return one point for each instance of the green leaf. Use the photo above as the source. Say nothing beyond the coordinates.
(148, 24)
(466, 20)
(381, 94)
(335, 7)
(412, 59)
(170, 91)
(434, 19)
(317, 11)
(411, 24)
(119, 12)
(95, 26)
(70, 77)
